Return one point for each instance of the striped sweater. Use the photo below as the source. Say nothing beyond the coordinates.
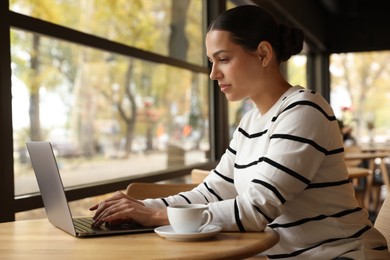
(285, 170)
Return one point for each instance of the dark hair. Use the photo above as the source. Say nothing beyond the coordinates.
(251, 24)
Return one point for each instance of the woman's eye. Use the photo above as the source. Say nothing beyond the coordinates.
(223, 60)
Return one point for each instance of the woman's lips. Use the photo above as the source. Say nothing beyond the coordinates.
(224, 87)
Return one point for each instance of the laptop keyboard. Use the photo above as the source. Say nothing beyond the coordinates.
(83, 225)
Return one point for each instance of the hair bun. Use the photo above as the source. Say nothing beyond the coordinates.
(290, 41)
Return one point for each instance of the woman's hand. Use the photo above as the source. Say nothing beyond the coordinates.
(121, 208)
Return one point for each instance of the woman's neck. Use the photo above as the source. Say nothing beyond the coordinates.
(273, 91)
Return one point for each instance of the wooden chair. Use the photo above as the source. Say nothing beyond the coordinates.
(198, 175)
(377, 181)
(143, 190)
(353, 149)
(358, 177)
(362, 185)
(383, 219)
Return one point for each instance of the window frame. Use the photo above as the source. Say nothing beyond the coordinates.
(9, 204)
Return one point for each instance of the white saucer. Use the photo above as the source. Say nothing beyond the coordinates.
(168, 233)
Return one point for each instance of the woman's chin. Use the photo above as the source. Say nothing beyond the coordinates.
(233, 98)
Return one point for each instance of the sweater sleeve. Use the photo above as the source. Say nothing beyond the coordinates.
(218, 186)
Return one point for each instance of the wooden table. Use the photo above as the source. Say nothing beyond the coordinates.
(375, 148)
(371, 157)
(38, 239)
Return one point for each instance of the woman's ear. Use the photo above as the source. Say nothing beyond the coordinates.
(264, 52)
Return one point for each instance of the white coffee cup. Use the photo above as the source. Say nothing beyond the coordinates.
(191, 218)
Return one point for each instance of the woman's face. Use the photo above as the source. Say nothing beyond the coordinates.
(237, 71)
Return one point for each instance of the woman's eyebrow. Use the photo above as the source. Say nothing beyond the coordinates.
(215, 54)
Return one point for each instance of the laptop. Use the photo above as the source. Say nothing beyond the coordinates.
(54, 198)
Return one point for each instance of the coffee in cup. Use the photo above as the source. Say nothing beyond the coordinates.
(191, 218)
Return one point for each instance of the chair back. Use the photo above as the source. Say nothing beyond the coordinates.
(353, 149)
(143, 190)
(382, 222)
(198, 175)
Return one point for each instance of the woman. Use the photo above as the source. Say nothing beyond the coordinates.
(284, 168)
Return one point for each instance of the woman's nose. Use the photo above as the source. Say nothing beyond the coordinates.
(215, 74)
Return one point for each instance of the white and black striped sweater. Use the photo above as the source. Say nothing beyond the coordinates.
(285, 170)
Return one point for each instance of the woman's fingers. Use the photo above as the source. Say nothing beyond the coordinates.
(118, 215)
(94, 207)
(117, 195)
(117, 208)
(108, 202)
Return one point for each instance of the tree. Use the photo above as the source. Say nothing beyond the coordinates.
(139, 32)
(44, 68)
(178, 47)
(35, 122)
(360, 75)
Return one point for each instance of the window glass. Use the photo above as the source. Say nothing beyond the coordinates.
(360, 94)
(231, 4)
(236, 112)
(296, 71)
(170, 28)
(77, 208)
(108, 116)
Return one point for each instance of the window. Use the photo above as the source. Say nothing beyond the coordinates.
(148, 25)
(360, 93)
(108, 116)
(296, 70)
(120, 97)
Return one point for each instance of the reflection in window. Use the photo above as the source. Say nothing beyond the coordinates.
(149, 25)
(108, 116)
